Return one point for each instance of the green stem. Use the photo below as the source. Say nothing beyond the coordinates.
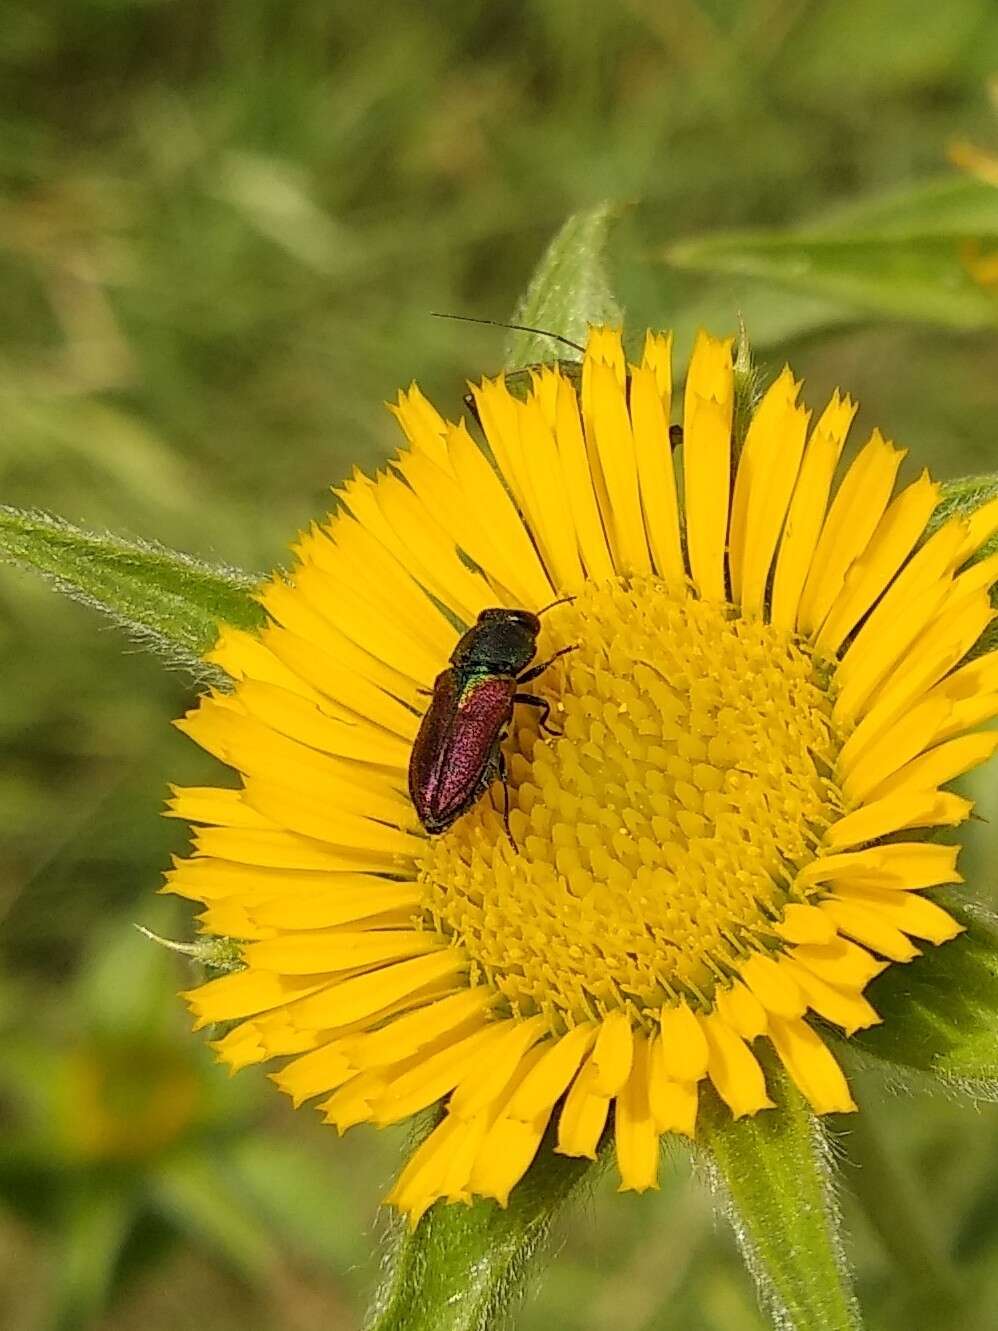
(773, 1173)
(465, 1267)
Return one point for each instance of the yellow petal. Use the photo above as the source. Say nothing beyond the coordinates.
(244, 993)
(941, 764)
(845, 1007)
(707, 415)
(982, 524)
(869, 928)
(240, 1048)
(463, 1011)
(841, 963)
(733, 1069)
(807, 509)
(910, 604)
(684, 1053)
(852, 518)
(611, 1057)
(811, 1066)
(285, 850)
(505, 1156)
(930, 661)
(322, 1069)
(350, 551)
(347, 898)
(310, 816)
(328, 608)
(551, 1075)
(311, 952)
(907, 911)
(656, 474)
(772, 985)
(767, 471)
(340, 679)
(552, 525)
(899, 743)
(434, 1075)
(243, 656)
(485, 1079)
(492, 506)
(583, 1115)
(579, 485)
(207, 804)
(739, 1008)
(673, 1104)
(614, 446)
(423, 425)
(930, 808)
(420, 1183)
(805, 924)
(915, 864)
(301, 720)
(891, 544)
(634, 1127)
(366, 994)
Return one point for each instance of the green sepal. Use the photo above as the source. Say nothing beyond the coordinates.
(960, 498)
(748, 390)
(940, 1011)
(772, 1174)
(464, 1268)
(163, 599)
(570, 290)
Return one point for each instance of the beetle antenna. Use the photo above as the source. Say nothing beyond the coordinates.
(516, 328)
(562, 600)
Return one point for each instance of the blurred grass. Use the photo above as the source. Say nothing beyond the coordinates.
(223, 225)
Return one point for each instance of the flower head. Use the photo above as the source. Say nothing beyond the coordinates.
(723, 845)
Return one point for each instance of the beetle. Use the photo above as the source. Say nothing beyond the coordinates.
(456, 754)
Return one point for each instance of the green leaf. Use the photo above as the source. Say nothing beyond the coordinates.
(465, 1267)
(773, 1173)
(203, 1197)
(907, 256)
(569, 290)
(163, 599)
(940, 1011)
(96, 1223)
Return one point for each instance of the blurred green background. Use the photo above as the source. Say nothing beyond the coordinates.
(223, 227)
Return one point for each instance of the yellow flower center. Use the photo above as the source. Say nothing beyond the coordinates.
(657, 837)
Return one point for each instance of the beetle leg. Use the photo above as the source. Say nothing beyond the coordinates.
(424, 693)
(532, 700)
(535, 671)
(501, 772)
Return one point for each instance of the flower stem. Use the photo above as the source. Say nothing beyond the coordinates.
(465, 1267)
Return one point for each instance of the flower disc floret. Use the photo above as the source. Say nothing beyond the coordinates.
(657, 839)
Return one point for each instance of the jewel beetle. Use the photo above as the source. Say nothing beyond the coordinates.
(457, 752)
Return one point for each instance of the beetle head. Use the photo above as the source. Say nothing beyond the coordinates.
(501, 641)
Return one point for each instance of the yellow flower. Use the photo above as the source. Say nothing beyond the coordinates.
(764, 703)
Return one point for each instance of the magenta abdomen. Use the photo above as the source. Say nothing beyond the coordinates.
(455, 753)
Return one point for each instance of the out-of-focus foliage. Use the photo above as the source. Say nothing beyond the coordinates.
(223, 227)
